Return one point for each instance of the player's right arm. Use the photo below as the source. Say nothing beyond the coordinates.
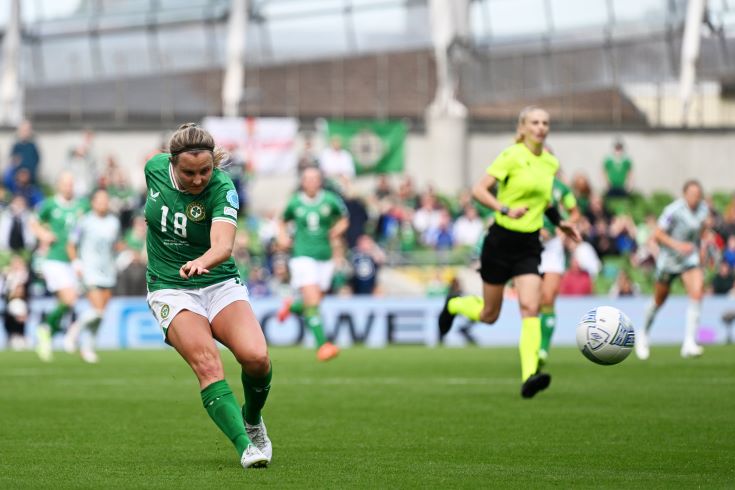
(498, 171)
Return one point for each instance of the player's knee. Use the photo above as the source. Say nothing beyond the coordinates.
(489, 316)
(256, 363)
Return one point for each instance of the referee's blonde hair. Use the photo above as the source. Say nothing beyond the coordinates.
(522, 119)
(192, 138)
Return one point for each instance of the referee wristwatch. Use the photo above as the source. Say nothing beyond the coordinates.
(504, 210)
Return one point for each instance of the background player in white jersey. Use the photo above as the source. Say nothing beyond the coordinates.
(194, 287)
(56, 217)
(91, 248)
(678, 232)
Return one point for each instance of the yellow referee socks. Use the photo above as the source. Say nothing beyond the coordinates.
(529, 346)
(468, 306)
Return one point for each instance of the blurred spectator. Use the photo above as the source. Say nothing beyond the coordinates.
(383, 188)
(342, 270)
(279, 281)
(711, 247)
(407, 194)
(124, 201)
(468, 228)
(82, 163)
(307, 158)
(575, 281)
(241, 254)
(646, 244)
(596, 211)
(24, 154)
(728, 255)
(623, 232)
(15, 229)
(617, 169)
(239, 171)
(358, 213)
(407, 239)
(724, 280)
(22, 186)
(366, 259)
(15, 293)
(624, 286)
(582, 191)
(439, 236)
(258, 282)
(336, 162)
(132, 261)
(428, 215)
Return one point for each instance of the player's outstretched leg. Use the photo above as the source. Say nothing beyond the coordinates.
(220, 404)
(690, 348)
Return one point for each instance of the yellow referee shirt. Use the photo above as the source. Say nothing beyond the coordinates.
(524, 179)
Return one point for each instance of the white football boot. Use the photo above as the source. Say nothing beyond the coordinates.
(641, 345)
(43, 343)
(71, 337)
(259, 436)
(690, 349)
(253, 458)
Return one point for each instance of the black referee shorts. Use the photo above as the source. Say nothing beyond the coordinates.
(507, 253)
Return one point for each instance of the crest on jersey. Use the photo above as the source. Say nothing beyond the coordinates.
(233, 199)
(325, 209)
(165, 311)
(195, 211)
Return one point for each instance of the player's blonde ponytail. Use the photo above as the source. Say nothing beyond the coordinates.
(190, 137)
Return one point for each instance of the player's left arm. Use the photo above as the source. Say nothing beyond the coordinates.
(222, 240)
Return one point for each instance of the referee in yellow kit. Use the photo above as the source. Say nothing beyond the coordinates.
(524, 174)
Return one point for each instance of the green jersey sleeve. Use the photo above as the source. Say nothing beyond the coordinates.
(338, 206)
(226, 203)
(288, 213)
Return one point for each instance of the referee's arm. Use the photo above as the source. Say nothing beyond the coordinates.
(481, 192)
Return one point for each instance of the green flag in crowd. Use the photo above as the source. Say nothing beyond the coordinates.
(376, 146)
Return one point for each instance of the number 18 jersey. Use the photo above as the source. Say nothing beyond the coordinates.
(179, 226)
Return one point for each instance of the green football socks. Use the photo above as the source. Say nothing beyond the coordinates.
(297, 307)
(222, 407)
(54, 318)
(314, 322)
(529, 345)
(469, 307)
(548, 322)
(256, 392)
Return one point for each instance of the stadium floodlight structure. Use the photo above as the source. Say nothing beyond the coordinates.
(11, 91)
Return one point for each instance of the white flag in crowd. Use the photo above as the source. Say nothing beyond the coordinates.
(268, 144)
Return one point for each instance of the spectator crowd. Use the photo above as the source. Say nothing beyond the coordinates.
(393, 224)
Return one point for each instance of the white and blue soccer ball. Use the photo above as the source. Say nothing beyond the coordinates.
(605, 335)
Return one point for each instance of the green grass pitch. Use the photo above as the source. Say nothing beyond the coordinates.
(391, 418)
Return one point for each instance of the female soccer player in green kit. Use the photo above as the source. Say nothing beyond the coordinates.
(319, 216)
(56, 218)
(194, 288)
(524, 174)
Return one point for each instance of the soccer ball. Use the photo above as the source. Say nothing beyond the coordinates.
(605, 335)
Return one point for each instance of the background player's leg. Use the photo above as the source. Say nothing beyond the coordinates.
(549, 291)
(693, 280)
(660, 293)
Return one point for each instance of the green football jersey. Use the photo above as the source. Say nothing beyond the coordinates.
(179, 226)
(60, 216)
(313, 219)
(562, 197)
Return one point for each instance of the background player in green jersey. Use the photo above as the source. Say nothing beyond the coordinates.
(319, 217)
(194, 288)
(524, 174)
(57, 215)
(552, 263)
